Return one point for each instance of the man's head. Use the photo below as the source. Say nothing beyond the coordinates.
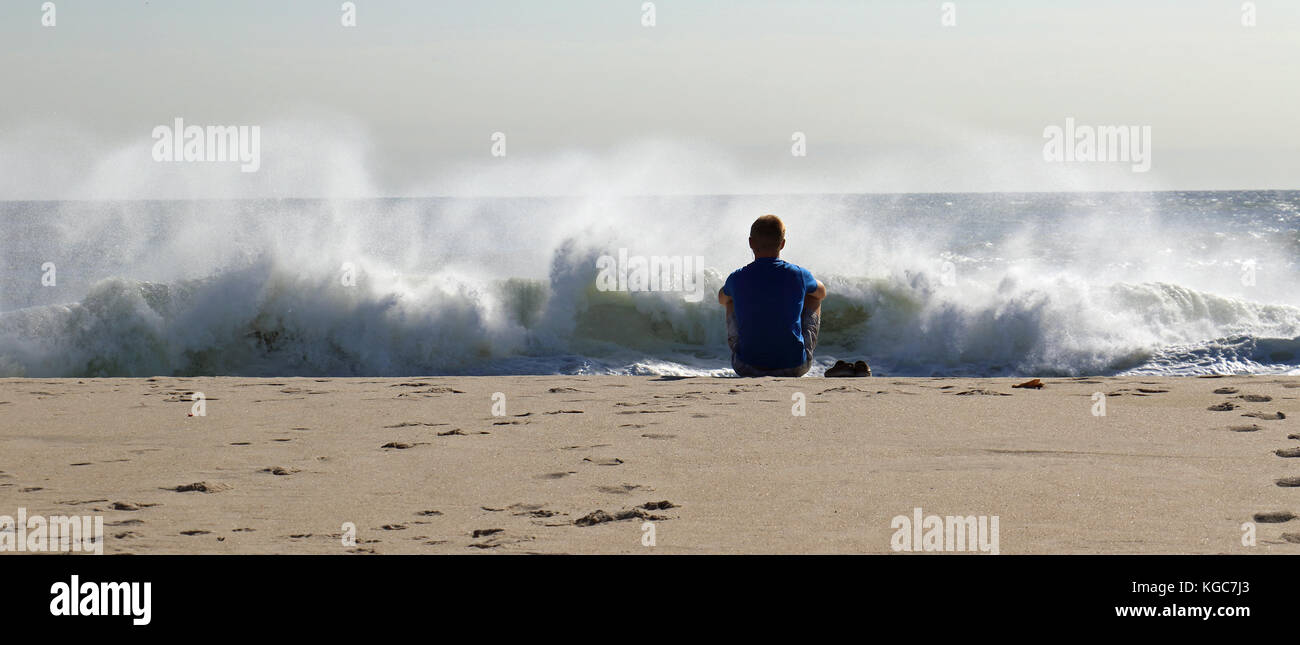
(767, 236)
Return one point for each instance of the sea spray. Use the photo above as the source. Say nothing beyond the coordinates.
(977, 284)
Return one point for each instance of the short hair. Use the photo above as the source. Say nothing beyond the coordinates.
(767, 232)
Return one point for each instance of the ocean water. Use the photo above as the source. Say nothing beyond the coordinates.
(994, 284)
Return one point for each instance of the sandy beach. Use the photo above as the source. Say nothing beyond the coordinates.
(423, 465)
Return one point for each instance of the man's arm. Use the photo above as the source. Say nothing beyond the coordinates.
(813, 301)
(820, 293)
(723, 298)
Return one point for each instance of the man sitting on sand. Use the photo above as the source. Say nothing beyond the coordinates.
(773, 308)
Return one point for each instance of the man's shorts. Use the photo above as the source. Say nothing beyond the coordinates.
(810, 322)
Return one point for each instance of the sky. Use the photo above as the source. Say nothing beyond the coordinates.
(590, 99)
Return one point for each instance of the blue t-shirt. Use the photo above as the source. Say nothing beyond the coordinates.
(768, 294)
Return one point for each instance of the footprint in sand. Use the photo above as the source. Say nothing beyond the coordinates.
(279, 470)
(1289, 482)
(653, 435)
(457, 432)
(1246, 428)
(1226, 406)
(1255, 398)
(847, 389)
(615, 461)
(540, 513)
(124, 506)
(1287, 452)
(442, 389)
(600, 517)
(200, 487)
(622, 489)
(521, 508)
(552, 475)
(639, 512)
(195, 532)
(1226, 390)
(563, 390)
(1274, 517)
(1266, 416)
